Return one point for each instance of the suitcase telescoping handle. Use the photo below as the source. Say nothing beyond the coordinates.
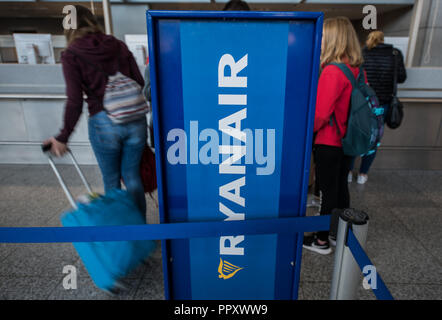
(45, 149)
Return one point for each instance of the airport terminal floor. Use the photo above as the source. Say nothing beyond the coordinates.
(404, 239)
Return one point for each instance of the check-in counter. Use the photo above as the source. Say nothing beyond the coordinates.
(32, 99)
(417, 143)
(8, 51)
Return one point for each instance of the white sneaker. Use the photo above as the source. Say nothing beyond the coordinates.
(311, 243)
(313, 202)
(362, 179)
(350, 177)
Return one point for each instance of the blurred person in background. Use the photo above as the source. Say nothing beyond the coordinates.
(379, 64)
(236, 5)
(90, 56)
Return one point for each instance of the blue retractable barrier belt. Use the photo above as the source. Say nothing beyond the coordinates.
(381, 292)
(163, 231)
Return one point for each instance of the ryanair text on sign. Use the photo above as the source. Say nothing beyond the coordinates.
(241, 148)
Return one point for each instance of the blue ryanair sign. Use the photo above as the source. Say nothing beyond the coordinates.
(233, 103)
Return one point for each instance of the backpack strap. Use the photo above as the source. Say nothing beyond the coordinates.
(347, 72)
(350, 76)
(333, 119)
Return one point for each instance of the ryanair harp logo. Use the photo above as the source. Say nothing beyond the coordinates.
(227, 270)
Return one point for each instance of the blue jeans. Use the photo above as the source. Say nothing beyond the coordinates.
(118, 149)
(366, 162)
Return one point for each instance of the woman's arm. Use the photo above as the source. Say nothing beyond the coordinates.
(329, 89)
(74, 103)
(402, 73)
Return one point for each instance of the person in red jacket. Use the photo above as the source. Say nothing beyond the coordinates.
(339, 45)
(117, 147)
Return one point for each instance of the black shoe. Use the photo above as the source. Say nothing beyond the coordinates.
(311, 243)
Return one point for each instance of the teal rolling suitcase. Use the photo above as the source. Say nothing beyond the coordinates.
(110, 261)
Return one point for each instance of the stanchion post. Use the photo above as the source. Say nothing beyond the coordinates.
(346, 273)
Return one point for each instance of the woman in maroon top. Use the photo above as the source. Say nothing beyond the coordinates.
(117, 147)
(339, 45)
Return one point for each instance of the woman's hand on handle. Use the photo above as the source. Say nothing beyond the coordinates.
(57, 148)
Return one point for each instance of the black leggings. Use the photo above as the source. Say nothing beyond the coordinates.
(316, 186)
(332, 169)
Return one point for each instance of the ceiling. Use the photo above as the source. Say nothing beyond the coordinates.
(54, 9)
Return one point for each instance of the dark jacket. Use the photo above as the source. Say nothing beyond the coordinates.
(379, 65)
(97, 49)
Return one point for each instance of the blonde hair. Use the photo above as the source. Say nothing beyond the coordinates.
(374, 38)
(86, 23)
(339, 41)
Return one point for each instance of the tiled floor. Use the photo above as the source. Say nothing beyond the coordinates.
(404, 238)
(30, 196)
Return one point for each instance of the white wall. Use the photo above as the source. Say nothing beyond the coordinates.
(129, 19)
